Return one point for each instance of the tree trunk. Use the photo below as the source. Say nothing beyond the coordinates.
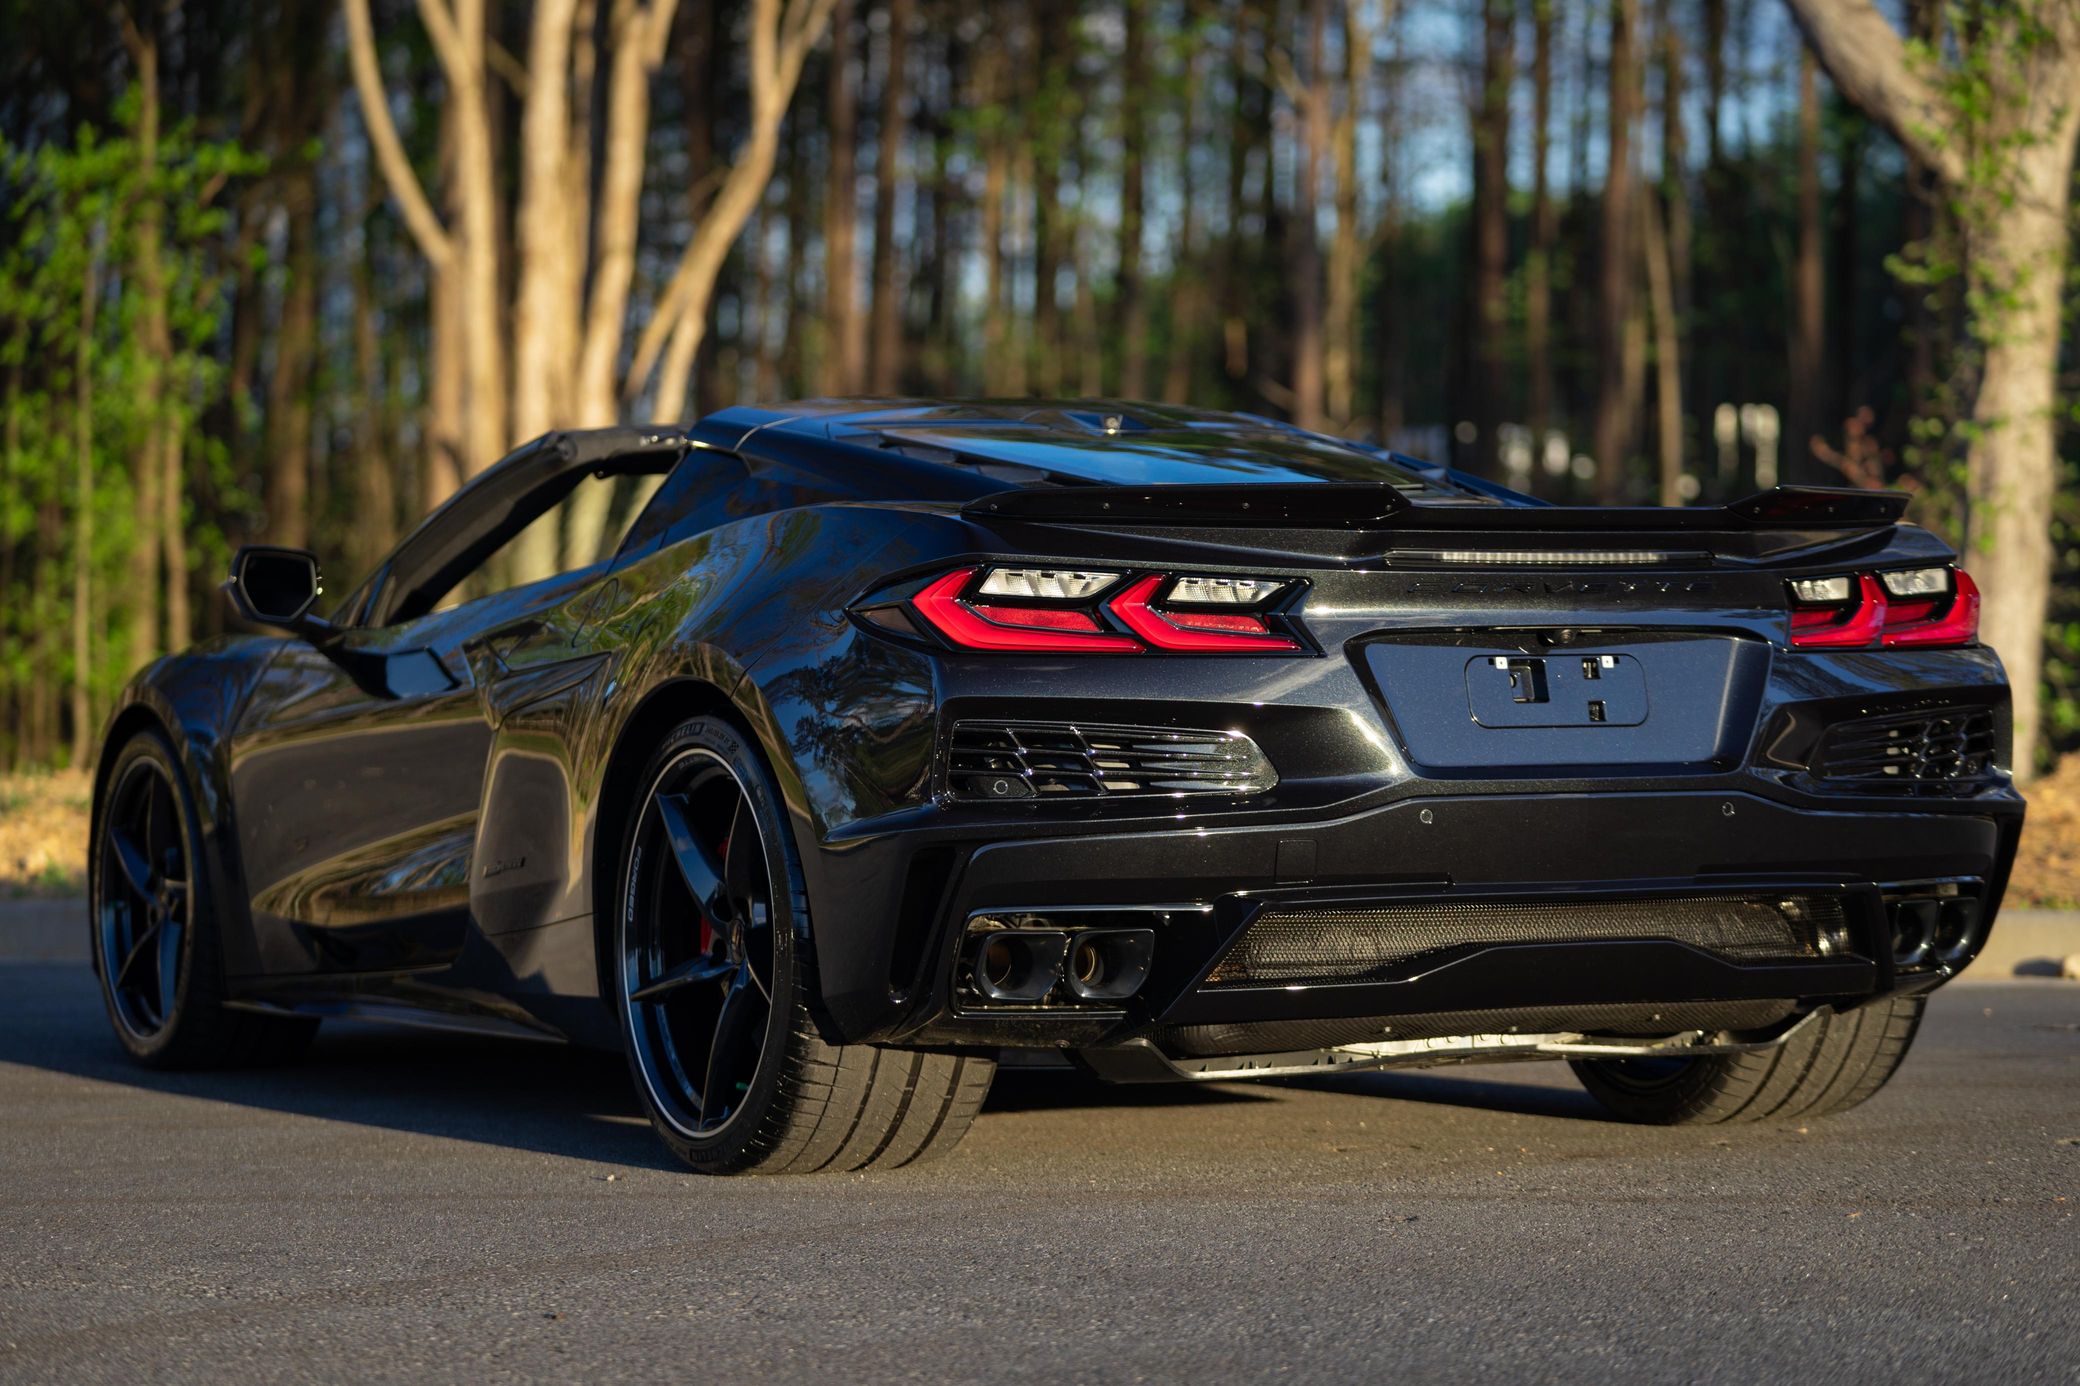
(487, 428)
(295, 352)
(375, 487)
(1805, 356)
(886, 364)
(1188, 292)
(1614, 421)
(1053, 229)
(1668, 366)
(1305, 256)
(845, 367)
(2013, 461)
(173, 528)
(83, 728)
(1538, 264)
(1131, 322)
(1340, 357)
(1491, 229)
(996, 173)
(2008, 162)
(543, 354)
(156, 340)
(779, 42)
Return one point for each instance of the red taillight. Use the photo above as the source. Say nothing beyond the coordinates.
(1934, 623)
(1874, 617)
(1049, 630)
(1059, 612)
(1222, 632)
(1849, 626)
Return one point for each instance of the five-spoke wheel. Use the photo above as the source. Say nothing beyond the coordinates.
(698, 960)
(715, 974)
(143, 910)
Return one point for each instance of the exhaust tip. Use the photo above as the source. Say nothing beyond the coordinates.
(1957, 930)
(1914, 931)
(1109, 964)
(1020, 964)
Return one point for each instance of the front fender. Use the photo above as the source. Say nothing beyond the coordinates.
(195, 700)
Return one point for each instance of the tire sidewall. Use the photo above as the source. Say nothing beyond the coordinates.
(753, 1131)
(152, 746)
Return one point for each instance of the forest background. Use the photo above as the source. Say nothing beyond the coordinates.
(293, 271)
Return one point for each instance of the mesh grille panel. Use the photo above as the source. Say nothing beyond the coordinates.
(1945, 751)
(1317, 944)
(1026, 760)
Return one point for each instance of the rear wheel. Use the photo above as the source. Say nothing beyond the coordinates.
(1831, 1063)
(712, 982)
(155, 942)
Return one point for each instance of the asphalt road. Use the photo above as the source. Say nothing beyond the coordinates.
(416, 1207)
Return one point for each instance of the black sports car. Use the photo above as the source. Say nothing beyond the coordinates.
(864, 746)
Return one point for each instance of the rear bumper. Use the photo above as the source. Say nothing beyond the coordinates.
(1524, 848)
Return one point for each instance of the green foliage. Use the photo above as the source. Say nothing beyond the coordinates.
(71, 219)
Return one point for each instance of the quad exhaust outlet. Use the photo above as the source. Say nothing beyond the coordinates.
(1023, 960)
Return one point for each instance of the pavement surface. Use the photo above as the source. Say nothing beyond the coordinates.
(416, 1207)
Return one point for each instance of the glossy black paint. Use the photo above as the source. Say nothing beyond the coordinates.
(420, 809)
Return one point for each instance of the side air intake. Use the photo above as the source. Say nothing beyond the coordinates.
(999, 761)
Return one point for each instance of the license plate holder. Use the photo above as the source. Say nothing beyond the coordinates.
(1596, 689)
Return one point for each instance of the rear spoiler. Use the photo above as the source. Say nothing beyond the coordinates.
(1373, 505)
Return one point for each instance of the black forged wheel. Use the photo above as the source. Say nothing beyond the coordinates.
(711, 984)
(154, 936)
(1831, 1063)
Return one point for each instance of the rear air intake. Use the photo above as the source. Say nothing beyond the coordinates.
(1310, 943)
(1935, 752)
(1000, 761)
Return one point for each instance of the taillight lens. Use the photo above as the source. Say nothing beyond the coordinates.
(1914, 608)
(995, 625)
(1060, 612)
(1197, 632)
(1941, 620)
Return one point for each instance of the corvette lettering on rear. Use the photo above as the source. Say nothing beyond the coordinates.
(1558, 587)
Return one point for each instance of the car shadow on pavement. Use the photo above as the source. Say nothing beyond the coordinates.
(547, 1098)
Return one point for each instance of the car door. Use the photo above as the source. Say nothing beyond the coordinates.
(358, 766)
(355, 778)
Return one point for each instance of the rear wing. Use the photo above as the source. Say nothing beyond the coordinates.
(1366, 505)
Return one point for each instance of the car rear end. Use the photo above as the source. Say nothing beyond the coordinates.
(1257, 779)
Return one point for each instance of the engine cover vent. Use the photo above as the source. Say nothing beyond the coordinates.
(1355, 943)
(1002, 761)
(1935, 752)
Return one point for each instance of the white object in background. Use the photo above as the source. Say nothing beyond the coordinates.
(1726, 430)
(1759, 422)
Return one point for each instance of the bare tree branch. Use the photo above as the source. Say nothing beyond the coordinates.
(446, 36)
(1865, 56)
(419, 216)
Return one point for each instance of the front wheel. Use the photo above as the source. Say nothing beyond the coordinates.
(155, 942)
(1831, 1063)
(712, 980)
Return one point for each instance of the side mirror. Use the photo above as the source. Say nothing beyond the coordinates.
(276, 587)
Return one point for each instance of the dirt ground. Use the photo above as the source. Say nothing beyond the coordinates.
(43, 838)
(43, 834)
(2047, 873)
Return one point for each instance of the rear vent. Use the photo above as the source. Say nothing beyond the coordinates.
(1936, 752)
(1046, 760)
(1294, 943)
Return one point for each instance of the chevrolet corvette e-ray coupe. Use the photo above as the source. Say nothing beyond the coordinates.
(866, 745)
